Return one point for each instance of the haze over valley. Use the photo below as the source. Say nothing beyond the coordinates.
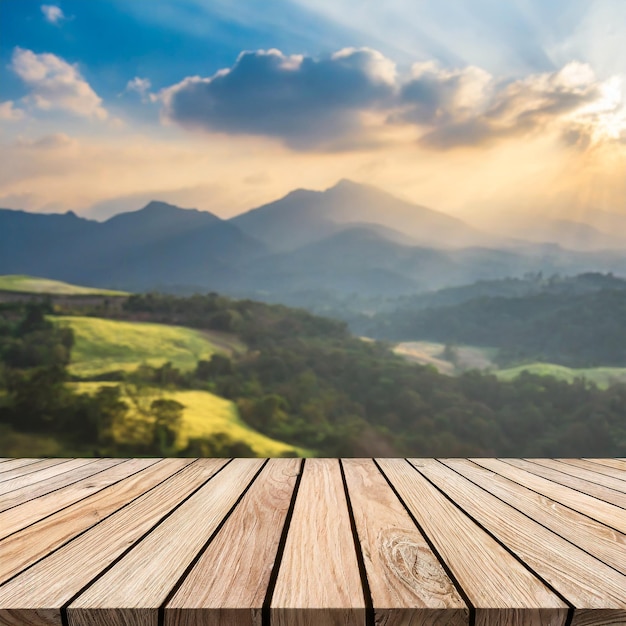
(349, 239)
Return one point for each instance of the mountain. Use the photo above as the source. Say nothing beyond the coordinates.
(155, 222)
(304, 216)
(350, 239)
(159, 245)
(40, 244)
(613, 224)
(566, 233)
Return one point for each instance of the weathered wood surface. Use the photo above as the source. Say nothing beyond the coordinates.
(253, 542)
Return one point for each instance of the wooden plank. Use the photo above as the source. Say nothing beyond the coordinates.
(318, 582)
(228, 584)
(29, 468)
(133, 590)
(509, 594)
(105, 472)
(41, 488)
(11, 464)
(584, 581)
(41, 476)
(599, 510)
(611, 496)
(35, 596)
(33, 543)
(605, 543)
(614, 463)
(408, 584)
(604, 470)
(583, 473)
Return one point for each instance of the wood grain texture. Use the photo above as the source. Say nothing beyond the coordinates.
(510, 593)
(74, 473)
(599, 618)
(617, 476)
(228, 584)
(42, 476)
(599, 510)
(318, 582)
(614, 463)
(406, 580)
(583, 473)
(105, 472)
(52, 582)
(580, 578)
(30, 544)
(30, 468)
(202, 542)
(611, 496)
(11, 464)
(138, 584)
(603, 542)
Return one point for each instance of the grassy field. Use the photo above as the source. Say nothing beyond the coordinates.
(30, 284)
(103, 345)
(431, 353)
(601, 376)
(205, 415)
(468, 357)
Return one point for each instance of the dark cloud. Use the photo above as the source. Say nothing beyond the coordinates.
(306, 102)
(322, 104)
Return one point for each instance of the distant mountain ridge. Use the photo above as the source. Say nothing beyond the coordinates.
(349, 239)
(305, 216)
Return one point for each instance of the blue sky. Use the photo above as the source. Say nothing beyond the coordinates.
(402, 93)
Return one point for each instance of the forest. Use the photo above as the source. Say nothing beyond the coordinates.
(577, 322)
(304, 380)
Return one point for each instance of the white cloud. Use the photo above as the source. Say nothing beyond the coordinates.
(56, 84)
(141, 86)
(469, 107)
(52, 13)
(9, 113)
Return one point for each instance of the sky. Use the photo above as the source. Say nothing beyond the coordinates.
(483, 109)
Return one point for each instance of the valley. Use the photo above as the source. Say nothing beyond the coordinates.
(145, 379)
(194, 335)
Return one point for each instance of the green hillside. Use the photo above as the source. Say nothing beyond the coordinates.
(30, 284)
(205, 415)
(102, 345)
(601, 376)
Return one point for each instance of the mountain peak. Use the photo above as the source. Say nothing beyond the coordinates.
(347, 185)
(157, 205)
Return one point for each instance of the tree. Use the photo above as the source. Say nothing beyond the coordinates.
(168, 416)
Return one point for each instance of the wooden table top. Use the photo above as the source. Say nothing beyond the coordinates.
(315, 542)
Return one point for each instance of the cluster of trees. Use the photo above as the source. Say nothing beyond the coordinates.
(36, 400)
(307, 381)
(574, 322)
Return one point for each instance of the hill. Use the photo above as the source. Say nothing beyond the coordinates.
(303, 380)
(576, 322)
(604, 377)
(102, 345)
(30, 284)
(204, 416)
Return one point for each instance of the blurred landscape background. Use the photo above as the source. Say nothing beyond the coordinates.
(312, 230)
